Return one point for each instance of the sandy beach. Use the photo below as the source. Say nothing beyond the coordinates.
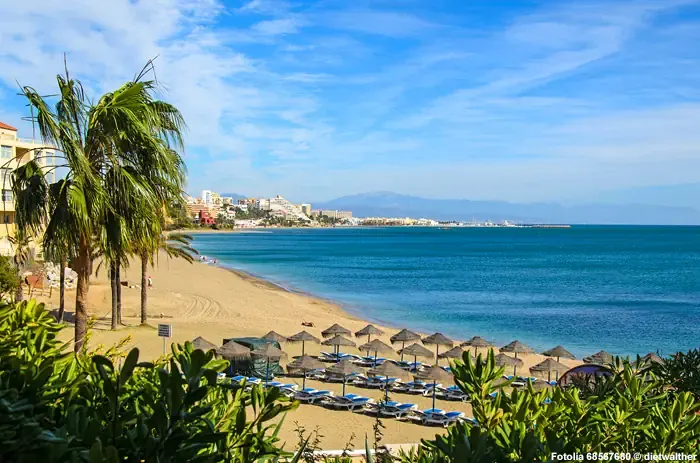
(216, 303)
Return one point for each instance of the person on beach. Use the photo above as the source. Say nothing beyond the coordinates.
(150, 282)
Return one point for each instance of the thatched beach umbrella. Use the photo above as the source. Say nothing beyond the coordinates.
(335, 330)
(403, 337)
(477, 342)
(503, 360)
(268, 352)
(274, 336)
(416, 350)
(375, 346)
(233, 351)
(202, 344)
(517, 347)
(437, 340)
(454, 353)
(648, 359)
(344, 368)
(389, 370)
(303, 337)
(559, 352)
(305, 363)
(337, 341)
(599, 358)
(434, 374)
(549, 366)
(369, 331)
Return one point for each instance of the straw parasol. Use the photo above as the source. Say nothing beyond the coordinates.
(389, 370)
(335, 330)
(375, 346)
(476, 342)
(599, 358)
(648, 359)
(369, 331)
(434, 374)
(337, 341)
(233, 351)
(305, 363)
(202, 344)
(273, 336)
(303, 337)
(268, 352)
(438, 339)
(344, 368)
(503, 360)
(517, 347)
(549, 366)
(416, 350)
(559, 352)
(454, 353)
(403, 337)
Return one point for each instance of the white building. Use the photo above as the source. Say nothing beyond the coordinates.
(208, 197)
(281, 206)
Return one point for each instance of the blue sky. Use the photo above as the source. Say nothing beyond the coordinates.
(520, 101)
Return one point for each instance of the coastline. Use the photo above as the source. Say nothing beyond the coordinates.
(217, 302)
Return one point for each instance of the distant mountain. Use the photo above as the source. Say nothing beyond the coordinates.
(388, 204)
(235, 196)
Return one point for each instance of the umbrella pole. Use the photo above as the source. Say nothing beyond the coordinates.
(415, 362)
(344, 379)
(302, 348)
(549, 375)
(303, 383)
(267, 372)
(386, 390)
(434, 387)
(437, 350)
(403, 345)
(515, 369)
(375, 359)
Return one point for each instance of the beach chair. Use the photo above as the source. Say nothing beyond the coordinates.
(371, 382)
(455, 393)
(396, 410)
(417, 387)
(319, 375)
(552, 383)
(415, 366)
(328, 357)
(350, 402)
(313, 396)
(428, 389)
(280, 385)
(239, 378)
(438, 417)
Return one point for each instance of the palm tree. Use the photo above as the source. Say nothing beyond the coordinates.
(126, 133)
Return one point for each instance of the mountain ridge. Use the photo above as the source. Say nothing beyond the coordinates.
(390, 204)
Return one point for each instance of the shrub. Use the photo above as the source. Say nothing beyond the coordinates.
(56, 406)
(638, 414)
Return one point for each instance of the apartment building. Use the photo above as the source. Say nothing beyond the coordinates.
(14, 152)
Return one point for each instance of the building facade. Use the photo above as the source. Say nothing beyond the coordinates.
(14, 152)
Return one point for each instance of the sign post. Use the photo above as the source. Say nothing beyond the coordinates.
(165, 332)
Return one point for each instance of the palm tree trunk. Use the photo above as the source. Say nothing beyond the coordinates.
(62, 291)
(113, 283)
(144, 288)
(119, 293)
(81, 292)
(19, 294)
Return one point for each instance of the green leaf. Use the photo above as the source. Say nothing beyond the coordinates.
(129, 364)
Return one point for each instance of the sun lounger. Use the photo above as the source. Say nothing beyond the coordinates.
(313, 396)
(280, 385)
(417, 387)
(454, 393)
(350, 402)
(395, 409)
(369, 382)
(317, 374)
(437, 416)
(239, 378)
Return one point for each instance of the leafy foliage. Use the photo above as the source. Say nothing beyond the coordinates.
(9, 280)
(681, 371)
(637, 414)
(56, 406)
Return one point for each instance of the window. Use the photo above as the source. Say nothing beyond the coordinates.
(5, 152)
(8, 218)
(7, 196)
(5, 178)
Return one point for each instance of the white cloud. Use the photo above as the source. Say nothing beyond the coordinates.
(277, 27)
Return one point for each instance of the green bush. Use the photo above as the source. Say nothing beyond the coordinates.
(59, 407)
(637, 414)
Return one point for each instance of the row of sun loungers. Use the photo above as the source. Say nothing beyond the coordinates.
(367, 361)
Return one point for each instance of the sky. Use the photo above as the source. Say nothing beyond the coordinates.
(476, 99)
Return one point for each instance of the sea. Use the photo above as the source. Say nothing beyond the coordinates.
(624, 289)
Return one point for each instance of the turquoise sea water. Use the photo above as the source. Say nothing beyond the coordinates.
(623, 289)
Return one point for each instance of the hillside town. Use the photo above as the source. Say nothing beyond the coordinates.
(217, 211)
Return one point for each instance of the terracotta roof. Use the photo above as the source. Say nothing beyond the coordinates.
(6, 127)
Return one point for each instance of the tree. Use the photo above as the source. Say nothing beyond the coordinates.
(127, 134)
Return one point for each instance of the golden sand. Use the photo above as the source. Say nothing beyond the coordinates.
(215, 303)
